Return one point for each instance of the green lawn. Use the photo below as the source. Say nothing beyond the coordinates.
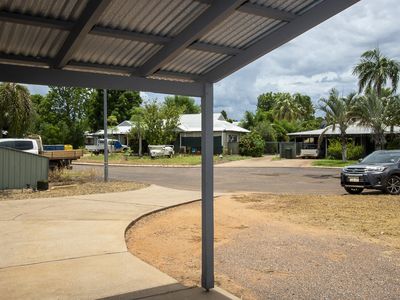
(188, 160)
(333, 163)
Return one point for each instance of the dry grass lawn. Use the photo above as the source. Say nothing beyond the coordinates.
(376, 216)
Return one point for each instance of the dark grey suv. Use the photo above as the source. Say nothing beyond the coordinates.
(379, 170)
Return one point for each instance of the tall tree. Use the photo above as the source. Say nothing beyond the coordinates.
(374, 70)
(266, 101)
(120, 104)
(248, 121)
(160, 122)
(337, 114)
(306, 108)
(373, 111)
(65, 108)
(286, 107)
(225, 115)
(186, 104)
(16, 109)
(48, 123)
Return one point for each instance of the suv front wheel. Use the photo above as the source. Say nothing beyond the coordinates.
(393, 185)
(353, 190)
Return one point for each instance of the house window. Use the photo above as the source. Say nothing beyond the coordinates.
(232, 138)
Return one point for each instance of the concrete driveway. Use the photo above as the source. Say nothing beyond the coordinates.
(74, 248)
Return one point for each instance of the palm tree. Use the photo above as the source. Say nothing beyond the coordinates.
(286, 107)
(16, 109)
(249, 120)
(373, 111)
(337, 114)
(374, 70)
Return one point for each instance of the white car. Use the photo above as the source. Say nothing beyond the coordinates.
(25, 145)
(161, 150)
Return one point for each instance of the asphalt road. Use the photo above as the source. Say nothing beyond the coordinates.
(274, 180)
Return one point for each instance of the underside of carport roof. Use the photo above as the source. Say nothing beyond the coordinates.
(174, 47)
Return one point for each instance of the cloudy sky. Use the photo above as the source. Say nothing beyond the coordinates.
(313, 63)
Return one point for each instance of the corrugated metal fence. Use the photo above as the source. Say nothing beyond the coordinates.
(20, 169)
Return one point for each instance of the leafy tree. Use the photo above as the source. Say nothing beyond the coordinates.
(266, 130)
(187, 104)
(314, 123)
(286, 107)
(160, 122)
(266, 101)
(372, 110)
(252, 144)
(225, 115)
(16, 109)
(249, 120)
(337, 114)
(393, 111)
(305, 106)
(48, 124)
(374, 70)
(119, 104)
(62, 115)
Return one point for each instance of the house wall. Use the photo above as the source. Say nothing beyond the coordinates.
(192, 144)
(227, 142)
(231, 142)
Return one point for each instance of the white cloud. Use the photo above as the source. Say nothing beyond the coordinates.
(318, 60)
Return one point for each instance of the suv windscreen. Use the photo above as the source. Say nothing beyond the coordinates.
(382, 158)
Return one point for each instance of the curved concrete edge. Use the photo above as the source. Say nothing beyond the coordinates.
(74, 247)
(132, 223)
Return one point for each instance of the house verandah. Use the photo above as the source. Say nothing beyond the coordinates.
(358, 135)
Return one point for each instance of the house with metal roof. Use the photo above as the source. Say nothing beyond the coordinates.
(226, 135)
(360, 135)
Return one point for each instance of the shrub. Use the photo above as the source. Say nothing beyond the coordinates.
(252, 144)
(353, 152)
(394, 144)
(335, 149)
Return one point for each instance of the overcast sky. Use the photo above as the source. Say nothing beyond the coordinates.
(313, 63)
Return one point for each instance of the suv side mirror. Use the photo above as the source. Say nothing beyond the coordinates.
(360, 160)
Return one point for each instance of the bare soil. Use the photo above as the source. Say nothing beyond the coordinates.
(283, 246)
(72, 183)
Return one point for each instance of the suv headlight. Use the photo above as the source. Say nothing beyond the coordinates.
(376, 169)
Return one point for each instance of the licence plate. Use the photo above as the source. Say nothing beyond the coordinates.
(354, 179)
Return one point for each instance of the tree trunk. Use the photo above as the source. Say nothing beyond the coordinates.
(140, 145)
(344, 148)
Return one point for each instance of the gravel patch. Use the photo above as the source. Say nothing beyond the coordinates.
(277, 261)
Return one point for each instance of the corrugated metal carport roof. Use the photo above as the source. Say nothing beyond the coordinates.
(177, 40)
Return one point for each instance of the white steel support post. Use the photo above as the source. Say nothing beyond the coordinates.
(207, 187)
(105, 136)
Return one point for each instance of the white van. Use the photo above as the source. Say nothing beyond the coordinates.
(25, 145)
